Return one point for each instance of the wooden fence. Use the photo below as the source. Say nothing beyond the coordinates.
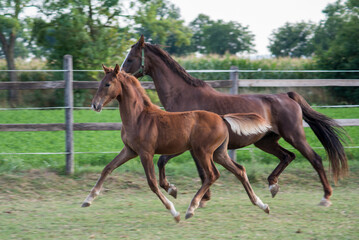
(68, 84)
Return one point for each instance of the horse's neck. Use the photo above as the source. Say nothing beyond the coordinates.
(171, 88)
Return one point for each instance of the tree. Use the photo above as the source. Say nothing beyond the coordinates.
(292, 40)
(159, 21)
(221, 37)
(337, 44)
(10, 29)
(89, 30)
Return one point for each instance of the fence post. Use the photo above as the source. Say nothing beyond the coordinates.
(68, 75)
(234, 90)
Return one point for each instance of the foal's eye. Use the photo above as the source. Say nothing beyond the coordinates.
(107, 85)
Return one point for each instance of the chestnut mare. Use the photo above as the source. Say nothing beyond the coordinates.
(179, 91)
(148, 130)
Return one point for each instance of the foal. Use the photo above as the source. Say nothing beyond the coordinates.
(147, 130)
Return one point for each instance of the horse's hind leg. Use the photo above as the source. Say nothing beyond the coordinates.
(269, 144)
(221, 156)
(211, 174)
(147, 162)
(301, 144)
(170, 188)
(125, 155)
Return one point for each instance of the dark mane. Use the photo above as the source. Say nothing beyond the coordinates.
(172, 64)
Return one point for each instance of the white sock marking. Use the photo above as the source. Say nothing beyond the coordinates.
(172, 210)
(272, 186)
(260, 204)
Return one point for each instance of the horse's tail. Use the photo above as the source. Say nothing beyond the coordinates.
(247, 123)
(329, 133)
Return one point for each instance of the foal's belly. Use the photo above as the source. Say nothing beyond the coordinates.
(172, 146)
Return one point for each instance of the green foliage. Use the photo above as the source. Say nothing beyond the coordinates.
(220, 37)
(226, 61)
(337, 44)
(88, 30)
(292, 40)
(159, 21)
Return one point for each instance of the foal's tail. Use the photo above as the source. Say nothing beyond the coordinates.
(329, 133)
(247, 123)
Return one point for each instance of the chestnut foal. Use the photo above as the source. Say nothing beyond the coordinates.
(148, 130)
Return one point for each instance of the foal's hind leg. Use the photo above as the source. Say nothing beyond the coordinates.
(269, 144)
(211, 174)
(125, 155)
(221, 156)
(207, 195)
(147, 162)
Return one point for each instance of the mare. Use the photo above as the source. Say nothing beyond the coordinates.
(179, 91)
(148, 130)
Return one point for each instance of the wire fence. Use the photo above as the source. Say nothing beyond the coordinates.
(190, 71)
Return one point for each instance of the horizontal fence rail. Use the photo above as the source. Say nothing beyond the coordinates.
(68, 84)
(213, 83)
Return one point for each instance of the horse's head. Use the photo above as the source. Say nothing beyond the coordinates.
(135, 59)
(109, 89)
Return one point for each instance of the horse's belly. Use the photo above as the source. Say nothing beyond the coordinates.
(236, 141)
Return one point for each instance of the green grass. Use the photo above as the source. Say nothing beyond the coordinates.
(110, 141)
(44, 205)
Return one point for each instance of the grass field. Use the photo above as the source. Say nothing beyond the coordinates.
(38, 202)
(44, 205)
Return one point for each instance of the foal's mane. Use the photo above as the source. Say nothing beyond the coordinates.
(135, 83)
(174, 66)
(129, 79)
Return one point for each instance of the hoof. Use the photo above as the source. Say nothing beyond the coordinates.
(86, 204)
(325, 203)
(178, 218)
(189, 215)
(274, 189)
(172, 191)
(267, 209)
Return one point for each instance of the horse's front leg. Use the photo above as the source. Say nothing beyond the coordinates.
(147, 162)
(170, 188)
(125, 155)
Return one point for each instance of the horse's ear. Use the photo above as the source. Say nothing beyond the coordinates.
(117, 69)
(106, 70)
(141, 41)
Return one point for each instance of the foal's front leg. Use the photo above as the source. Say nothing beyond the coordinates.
(147, 162)
(125, 155)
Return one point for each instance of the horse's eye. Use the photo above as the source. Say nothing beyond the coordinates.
(129, 60)
(107, 85)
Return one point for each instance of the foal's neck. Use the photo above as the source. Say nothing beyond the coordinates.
(132, 103)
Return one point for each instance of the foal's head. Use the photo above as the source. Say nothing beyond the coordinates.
(110, 87)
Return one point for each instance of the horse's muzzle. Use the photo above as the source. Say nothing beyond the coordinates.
(96, 108)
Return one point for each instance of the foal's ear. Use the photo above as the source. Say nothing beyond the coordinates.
(141, 41)
(117, 69)
(106, 69)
